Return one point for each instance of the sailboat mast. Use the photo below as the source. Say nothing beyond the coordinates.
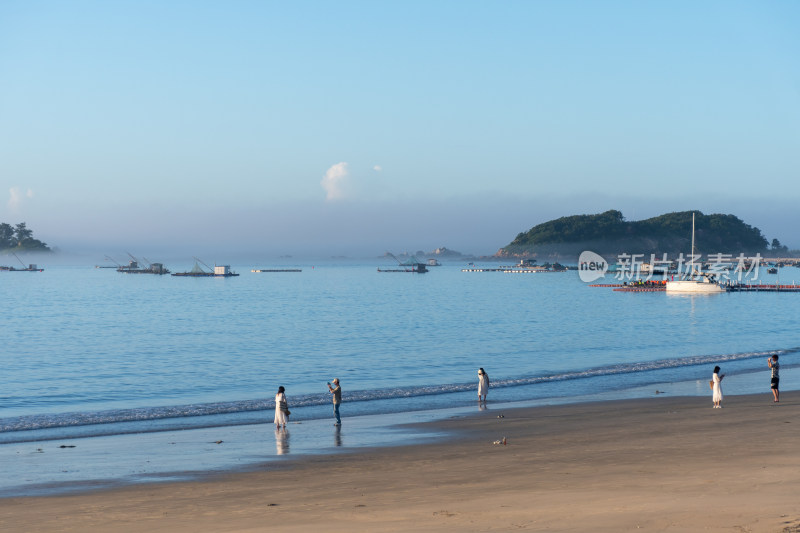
(692, 257)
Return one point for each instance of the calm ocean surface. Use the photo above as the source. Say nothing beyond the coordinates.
(91, 353)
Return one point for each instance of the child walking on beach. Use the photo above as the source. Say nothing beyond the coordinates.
(716, 379)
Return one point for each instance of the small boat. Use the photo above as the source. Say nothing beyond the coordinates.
(29, 268)
(133, 268)
(419, 268)
(219, 271)
(25, 268)
(412, 264)
(772, 270)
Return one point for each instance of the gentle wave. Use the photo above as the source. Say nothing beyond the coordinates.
(661, 364)
(63, 420)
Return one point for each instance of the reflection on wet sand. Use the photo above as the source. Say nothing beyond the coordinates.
(337, 436)
(282, 441)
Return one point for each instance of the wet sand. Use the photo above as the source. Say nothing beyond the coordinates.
(659, 464)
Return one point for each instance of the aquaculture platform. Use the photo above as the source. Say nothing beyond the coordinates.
(509, 270)
(634, 286)
(728, 288)
(763, 288)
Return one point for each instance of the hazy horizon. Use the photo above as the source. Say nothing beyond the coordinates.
(472, 231)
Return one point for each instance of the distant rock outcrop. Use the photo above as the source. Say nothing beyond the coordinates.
(445, 253)
(439, 253)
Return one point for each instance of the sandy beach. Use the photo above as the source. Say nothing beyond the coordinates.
(659, 464)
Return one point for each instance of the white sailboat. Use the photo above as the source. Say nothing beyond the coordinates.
(696, 282)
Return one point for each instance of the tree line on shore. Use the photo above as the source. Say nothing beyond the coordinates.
(19, 238)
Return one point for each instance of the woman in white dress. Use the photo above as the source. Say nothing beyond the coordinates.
(716, 390)
(483, 385)
(281, 408)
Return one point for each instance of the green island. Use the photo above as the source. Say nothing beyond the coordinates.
(609, 233)
(19, 238)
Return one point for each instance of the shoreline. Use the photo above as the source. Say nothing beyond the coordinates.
(658, 463)
(67, 464)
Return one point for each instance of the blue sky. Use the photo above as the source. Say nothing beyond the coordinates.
(351, 128)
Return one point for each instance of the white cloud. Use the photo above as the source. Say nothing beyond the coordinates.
(16, 197)
(377, 168)
(334, 181)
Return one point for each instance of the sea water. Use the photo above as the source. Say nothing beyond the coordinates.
(96, 356)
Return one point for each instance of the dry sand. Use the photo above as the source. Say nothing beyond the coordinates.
(661, 464)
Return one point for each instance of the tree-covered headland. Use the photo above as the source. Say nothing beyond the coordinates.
(19, 238)
(610, 234)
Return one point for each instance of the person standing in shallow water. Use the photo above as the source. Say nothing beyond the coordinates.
(336, 390)
(483, 385)
(775, 379)
(281, 408)
(717, 388)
